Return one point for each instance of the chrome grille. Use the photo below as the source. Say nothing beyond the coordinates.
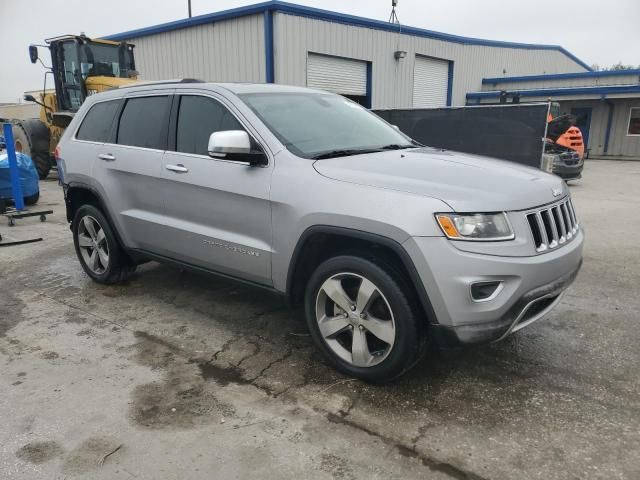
(553, 226)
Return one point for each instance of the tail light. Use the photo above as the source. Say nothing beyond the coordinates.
(56, 153)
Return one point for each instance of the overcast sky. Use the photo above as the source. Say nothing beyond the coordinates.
(596, 31)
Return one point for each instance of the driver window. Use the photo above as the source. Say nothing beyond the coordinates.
(198, 118)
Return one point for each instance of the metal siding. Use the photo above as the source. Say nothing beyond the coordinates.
(621, 144)
(225, 51)
(338, 75)
(430, 82)
(392, 80)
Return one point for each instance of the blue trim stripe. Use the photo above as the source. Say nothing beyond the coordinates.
(293, 9)
(450, 84)
(559, 76)
(559, 92)
(268, 47)
(369, 94)
(607, 135)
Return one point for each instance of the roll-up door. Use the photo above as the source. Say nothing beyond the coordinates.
(430, 82)
(339, 75)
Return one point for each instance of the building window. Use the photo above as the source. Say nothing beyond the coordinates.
(634, 121)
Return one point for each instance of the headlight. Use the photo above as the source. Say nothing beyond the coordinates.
(475, 226)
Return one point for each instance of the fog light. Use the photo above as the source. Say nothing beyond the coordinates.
(483, 291)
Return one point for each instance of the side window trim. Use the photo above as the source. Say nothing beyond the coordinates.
(114, 124)
(172, 131)
(158, 93)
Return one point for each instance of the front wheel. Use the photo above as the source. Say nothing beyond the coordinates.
(362, 320)
(97, 247)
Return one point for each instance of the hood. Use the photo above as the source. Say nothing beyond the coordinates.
(467, 183)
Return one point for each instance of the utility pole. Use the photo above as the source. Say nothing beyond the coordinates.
(189, 4)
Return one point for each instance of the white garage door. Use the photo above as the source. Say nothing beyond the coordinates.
(339, 75)
(430, 82)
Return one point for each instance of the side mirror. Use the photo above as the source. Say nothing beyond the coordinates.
(33, 53)
(396, 127)
(234, 145)
(29, 98)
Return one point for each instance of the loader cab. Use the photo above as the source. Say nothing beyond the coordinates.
(82, 67)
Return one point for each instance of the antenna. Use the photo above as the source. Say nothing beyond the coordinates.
(393, 18)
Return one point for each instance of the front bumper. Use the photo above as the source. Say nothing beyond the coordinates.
(531, 287)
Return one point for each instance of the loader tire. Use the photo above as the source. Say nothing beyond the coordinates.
(32, 138)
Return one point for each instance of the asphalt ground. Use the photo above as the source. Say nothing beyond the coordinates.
(174, 375)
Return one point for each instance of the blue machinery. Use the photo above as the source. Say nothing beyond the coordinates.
(16, 190)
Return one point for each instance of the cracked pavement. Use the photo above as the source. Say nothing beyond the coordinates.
(174, 375)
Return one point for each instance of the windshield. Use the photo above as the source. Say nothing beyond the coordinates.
(99, 59)
(313, 125)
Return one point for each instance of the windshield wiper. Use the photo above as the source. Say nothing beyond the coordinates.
(343, 153)
(395, 146)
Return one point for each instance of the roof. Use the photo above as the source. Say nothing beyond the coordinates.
(596, 90)
(293, 9)
(560, 76)
(238, 88)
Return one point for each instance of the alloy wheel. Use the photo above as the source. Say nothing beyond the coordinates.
(93, 245)
(355, 319)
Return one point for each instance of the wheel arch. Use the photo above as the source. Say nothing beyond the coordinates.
(78, 194)
(320, 242)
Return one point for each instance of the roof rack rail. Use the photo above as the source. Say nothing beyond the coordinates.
(163, 82)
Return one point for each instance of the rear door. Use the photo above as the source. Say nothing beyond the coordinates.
(129, 167)
(95, 129)
(218, 211)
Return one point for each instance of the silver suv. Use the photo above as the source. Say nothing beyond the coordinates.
(389, 245)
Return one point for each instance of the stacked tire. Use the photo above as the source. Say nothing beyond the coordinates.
(32, 138)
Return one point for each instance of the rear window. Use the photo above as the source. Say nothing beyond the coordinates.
(96, 125)
(143, 122)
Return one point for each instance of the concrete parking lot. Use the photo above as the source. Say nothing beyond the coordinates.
(178, 376)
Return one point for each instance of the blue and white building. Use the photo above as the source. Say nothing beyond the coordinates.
(378, 64)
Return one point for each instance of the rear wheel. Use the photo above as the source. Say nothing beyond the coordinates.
(361, 319)
(32, 138)
(97, 247)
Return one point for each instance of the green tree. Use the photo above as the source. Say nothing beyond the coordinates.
(620, 66)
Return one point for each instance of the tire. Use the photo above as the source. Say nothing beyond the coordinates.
(400, 339)
(32, 138)
(32, 200)
(115, 267)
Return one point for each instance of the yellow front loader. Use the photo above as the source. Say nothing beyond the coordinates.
(80, 67)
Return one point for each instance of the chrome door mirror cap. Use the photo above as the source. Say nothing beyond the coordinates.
(229, 141)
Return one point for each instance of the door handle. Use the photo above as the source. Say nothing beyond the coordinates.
(177, 168)
(107, 157)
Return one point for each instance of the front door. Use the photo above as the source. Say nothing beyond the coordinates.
(218, 212)
(583, 122)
